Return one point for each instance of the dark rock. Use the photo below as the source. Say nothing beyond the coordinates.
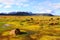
(18, 32)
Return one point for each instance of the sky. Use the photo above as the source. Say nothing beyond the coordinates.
(34, 6)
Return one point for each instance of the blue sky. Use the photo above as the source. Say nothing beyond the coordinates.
(35, 6)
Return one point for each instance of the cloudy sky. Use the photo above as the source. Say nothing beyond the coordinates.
(35, 6)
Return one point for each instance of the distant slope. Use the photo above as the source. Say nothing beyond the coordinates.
(26, 14)
(45, 14)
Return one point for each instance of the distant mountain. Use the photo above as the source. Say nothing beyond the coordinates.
(26, 13)
(17, 13)
(45, 14)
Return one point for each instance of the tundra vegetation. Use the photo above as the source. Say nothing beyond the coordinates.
(29, 27)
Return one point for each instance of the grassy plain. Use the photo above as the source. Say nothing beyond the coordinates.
(36, 27)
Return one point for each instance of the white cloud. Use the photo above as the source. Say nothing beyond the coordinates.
(9, 3)
(46, 7)
(7, 6)
(42, 7)
(56, 5)
(46, 11)
(1, 6)
(22, 5)
(26, 5)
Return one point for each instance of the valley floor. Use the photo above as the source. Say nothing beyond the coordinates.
(32, 27)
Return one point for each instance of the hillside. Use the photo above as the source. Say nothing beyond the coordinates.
(26, 14)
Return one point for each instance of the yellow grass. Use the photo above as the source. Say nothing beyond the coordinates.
(37, 29)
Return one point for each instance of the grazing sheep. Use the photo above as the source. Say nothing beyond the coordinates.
(27, 20)
(51, 24)
(58, 19)
(51, 18)
(56, 23)
(31, 18)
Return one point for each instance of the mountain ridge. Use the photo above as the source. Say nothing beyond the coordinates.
(26, 14)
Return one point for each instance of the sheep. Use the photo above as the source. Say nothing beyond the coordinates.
(58, 19)
(51, 24)
(31, 18)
